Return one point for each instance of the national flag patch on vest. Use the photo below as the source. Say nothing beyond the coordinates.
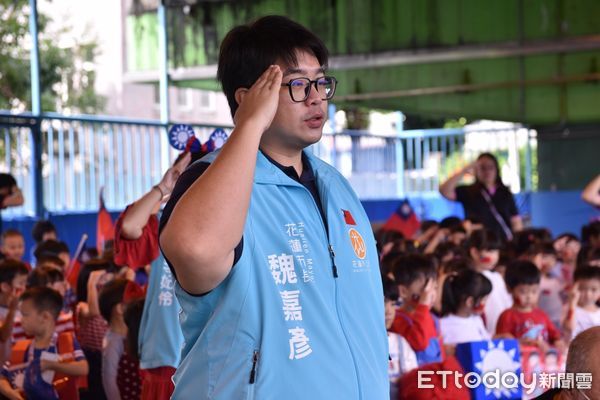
(348, 217)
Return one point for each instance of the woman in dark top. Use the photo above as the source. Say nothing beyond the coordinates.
(488, 199)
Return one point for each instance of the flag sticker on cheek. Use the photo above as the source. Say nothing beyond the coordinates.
(358, 244)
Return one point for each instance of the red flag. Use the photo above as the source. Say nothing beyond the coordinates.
(105, 229)
(403, 220)
(348, 218)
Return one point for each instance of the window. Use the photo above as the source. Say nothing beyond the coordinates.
(207, 101)
(184, 98)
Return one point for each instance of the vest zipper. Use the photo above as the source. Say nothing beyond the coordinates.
(253, 371)
(333, 266)
(341, 322)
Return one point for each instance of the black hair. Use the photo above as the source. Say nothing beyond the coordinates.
(457, 229)
(386, 265)
(457, 288)
(457, 265)
(522, 272)
(248, 50)
(586, 273)
(50, 247)
(9, 269)
(111, 295)
(40, 228)
(390, 288)
(495, 161)
(523, 241)
(84, 274)
(44, 299)
(589, 231)
(43, 276)
(484, 239)
(546, 248)
(11, 232)
(570, 237)
(446, 248)
(409, 268)
(51, 259)
(7, 181)
(385, 236)
(451, 222)
(133, 319)
(37, 278)
(428, 223)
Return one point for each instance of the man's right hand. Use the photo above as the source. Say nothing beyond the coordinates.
(258, 104)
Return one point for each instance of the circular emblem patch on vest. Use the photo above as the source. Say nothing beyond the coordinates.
(358, 244)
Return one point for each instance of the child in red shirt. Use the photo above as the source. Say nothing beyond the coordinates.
(524, 320)
(417, 286)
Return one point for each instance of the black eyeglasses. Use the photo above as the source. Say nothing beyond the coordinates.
(300, 87)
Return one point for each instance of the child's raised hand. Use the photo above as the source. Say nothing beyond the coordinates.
(13, 299)
(94, 277)
(429, 293)
(561, 347)
(574, 296)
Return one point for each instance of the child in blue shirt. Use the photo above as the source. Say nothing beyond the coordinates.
(43, 368)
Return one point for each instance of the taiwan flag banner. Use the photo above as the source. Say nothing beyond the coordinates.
(403, 220)
(492, 369)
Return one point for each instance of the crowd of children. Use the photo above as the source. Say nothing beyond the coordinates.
(102, 326)
(457, 282)
(69, 331)
(67, 338)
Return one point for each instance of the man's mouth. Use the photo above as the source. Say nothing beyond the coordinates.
(315, 120)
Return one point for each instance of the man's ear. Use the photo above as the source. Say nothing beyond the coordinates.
(240, 93)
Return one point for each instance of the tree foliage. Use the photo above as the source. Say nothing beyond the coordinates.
(67, 75)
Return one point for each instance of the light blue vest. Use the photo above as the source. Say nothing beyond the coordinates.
(160, 339)
(281, 326)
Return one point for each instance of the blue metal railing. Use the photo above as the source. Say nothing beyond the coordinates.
(126, 157)
(417, 161)
(82, 154)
